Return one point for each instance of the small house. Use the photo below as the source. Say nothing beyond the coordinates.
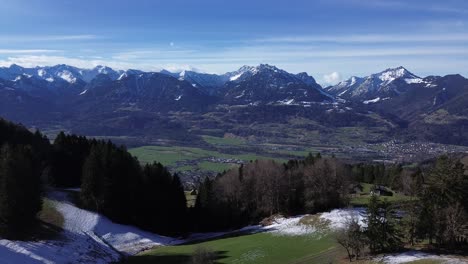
(381, 190)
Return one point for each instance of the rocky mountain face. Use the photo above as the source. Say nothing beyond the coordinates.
(152, 92)
(267, 84)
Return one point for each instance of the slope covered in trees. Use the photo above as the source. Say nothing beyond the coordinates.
(22, 160)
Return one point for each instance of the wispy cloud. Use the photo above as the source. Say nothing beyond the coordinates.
(46, 60)
(447, 6)
(369, 38)
(35, 38)
(27, 51)
(332, 78)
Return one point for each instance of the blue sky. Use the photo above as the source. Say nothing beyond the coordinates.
(329, 39)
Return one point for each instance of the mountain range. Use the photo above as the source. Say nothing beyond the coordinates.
(183, 105)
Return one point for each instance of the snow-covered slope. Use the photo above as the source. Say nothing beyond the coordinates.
(87, 238)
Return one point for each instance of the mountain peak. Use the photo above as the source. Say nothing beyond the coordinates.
(397, 72)
(15, 67)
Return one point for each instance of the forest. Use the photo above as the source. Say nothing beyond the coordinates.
(112, 182)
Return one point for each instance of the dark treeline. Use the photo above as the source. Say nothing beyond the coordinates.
(114, 184)
(112, 181)
(262, 188)
(23, 157)
(68, 154)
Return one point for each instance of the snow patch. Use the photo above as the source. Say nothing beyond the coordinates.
(123, 75)
(339, 217)
(83, 92)
(410, 256)
(340, 94)
(291, 227)
(242, 94)
(414, 80)
(67, 76)
(87, 237)
(41, 72)
(178, 98)
(286, 101)
(375, 100)
(235, 77)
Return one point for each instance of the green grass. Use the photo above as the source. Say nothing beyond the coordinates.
(363, 198)
(223, 141)
(167, 155)
(50, 215)
(256, 248)
(190, 199)
(216, 167)
(189, 158)
(49, 225)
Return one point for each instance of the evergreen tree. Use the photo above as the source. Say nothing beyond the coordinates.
(373, 224)
(382, 232)
(92, 180)
(20, 189)
(178, 205)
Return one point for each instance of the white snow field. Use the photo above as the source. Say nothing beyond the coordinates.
(409, 256)
(338, 218)
(87, 238)
(91, 238)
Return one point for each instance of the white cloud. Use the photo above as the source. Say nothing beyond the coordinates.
(332, 78)
(45, 60)
(370, 38)
(29, 38)
(26, 51)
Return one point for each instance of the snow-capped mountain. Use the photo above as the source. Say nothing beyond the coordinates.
(266, 84)
(243, 72)
(103, 101)
(376, 87)
(60, 72)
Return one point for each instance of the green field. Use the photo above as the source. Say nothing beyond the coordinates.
(255, 248)
(189, 158)
(224, 141)
(50, 215)
(363, 198)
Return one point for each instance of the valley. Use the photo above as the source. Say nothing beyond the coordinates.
(234, 132)
(263, 105)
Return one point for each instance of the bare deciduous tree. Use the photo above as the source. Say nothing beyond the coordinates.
(352, 238)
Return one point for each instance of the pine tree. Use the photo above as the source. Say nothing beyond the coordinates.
(92, 180)
(373, 224)
(20, 189)
(382, 232)
(178, 205)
